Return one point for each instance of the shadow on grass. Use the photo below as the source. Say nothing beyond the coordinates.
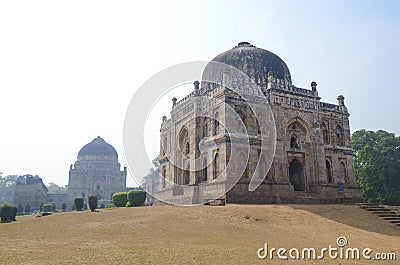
(352, 215)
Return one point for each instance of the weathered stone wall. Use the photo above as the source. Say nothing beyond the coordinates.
(313, 143)
(33, 194)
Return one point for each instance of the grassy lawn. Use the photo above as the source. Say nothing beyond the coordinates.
(192, 235)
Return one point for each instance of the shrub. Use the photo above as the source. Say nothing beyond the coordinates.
(78, 202)
(84, 206)
(47, 208)
(92, 203)
(14, 213)
(28, 208)
(64, 207)
(137, 197)
(54, 207)
(128, 204)
(6, 212)
(20, 209)
(102, 206)
(41, 209)
(119, 199)
(110, 205)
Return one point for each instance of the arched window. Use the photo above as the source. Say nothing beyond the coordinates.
(328, 171)
(204, 174)
(343, 172)
(164, 175)
(205, 127)
(215, 166)
(339, 136)
(216, 124)
(184, 141)
(325, 133)
(176, 175)
(293, 142)
(187, 149)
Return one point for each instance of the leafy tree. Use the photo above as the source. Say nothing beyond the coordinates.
(7, 188)
(151, 179)
(153, 174)
(54, 188)
(28, 208)
(64, 207)
(377, 165)
(20, 209)
(92, 203)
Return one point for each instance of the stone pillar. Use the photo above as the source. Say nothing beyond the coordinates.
(196, 87)
(314, 86)
(340, 99)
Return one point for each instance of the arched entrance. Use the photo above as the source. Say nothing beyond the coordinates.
(296, 175)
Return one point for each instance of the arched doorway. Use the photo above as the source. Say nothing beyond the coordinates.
(296, 175)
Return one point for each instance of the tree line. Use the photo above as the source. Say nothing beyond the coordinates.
(377, 165)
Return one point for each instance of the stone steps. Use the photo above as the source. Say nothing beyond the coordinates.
(387, 213)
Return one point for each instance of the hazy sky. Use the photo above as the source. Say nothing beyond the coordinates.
(68, 69)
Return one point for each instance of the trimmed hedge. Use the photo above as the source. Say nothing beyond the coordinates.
(14, 213)
(120, 199)
(64, 207)
(137, 197)
(93, 203)
(6, 212)
(78, 202)
(110, 205)
(47, 208)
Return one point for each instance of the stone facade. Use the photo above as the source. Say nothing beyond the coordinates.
(96, 172)
(30, 190)
(57, 198)
(313, 155)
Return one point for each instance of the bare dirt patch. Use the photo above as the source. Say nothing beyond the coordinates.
(191, 235)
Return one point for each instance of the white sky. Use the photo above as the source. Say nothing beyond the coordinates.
(68, 69)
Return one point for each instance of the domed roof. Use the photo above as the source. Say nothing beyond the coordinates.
(255, 62)
(98, 147)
